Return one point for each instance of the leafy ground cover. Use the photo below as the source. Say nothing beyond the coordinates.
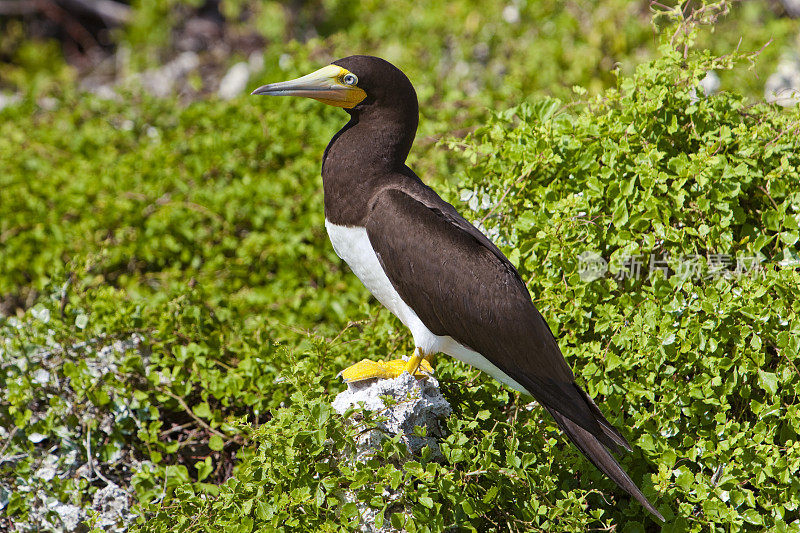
(174, 317)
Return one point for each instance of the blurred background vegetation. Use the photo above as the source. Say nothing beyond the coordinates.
(165, 274)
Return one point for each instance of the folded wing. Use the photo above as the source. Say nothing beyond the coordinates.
(461, 285)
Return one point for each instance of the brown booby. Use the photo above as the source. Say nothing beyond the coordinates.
(445, 280)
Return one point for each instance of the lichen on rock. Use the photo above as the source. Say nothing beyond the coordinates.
(412, 402)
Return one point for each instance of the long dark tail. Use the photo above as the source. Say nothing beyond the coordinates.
(592, 448)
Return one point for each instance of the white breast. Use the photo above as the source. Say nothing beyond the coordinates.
(353, 246)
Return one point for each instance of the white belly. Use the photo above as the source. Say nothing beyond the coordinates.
(353, 246)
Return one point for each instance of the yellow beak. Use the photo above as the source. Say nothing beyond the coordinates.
(326, 85)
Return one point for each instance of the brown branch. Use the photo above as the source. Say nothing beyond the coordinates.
(196, 418)
(765, 191)
(74, 29)
(112, 13)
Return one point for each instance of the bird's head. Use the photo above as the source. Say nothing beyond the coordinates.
(352, 83)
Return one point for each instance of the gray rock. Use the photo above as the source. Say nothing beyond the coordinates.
(511, 14)
(56, 452)
(419, 402)
(55, 516)
(255, 62)
(792, 7)
(71, 518)
(235, 81)
(113, 505)
(710, 83)
(49, 468)
(7, 99)
(162, 81)
(104, 92)
(414, 402)
(783, 87)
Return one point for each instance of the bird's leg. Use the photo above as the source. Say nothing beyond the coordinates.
(414, 362)
(418, 366)
(419, 360)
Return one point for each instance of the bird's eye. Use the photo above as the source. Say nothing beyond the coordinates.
(350, 79)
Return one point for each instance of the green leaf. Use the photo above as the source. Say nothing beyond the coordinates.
(216, 443)
(620, 215)
(204, 468)
(768, 382)
(202, 410)
(491, 494)
(789, 237)
(426, 501)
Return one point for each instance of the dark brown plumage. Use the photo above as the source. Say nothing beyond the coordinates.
(453, 277)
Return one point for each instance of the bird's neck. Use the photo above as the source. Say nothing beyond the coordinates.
(362, 157)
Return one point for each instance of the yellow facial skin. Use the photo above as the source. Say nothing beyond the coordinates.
(326, 85)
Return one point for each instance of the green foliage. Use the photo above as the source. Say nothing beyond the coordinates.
(301, 476)
(140, 186)
(30, 66)
(702, 367)
(117, 221)
(174, 312)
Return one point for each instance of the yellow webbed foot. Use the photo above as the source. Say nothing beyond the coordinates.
(366, 369)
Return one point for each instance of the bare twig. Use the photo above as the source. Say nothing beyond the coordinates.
(92, 470)
(8, 441)
(503, 197)
(174, 429)
(196, 418)
(765, 191)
